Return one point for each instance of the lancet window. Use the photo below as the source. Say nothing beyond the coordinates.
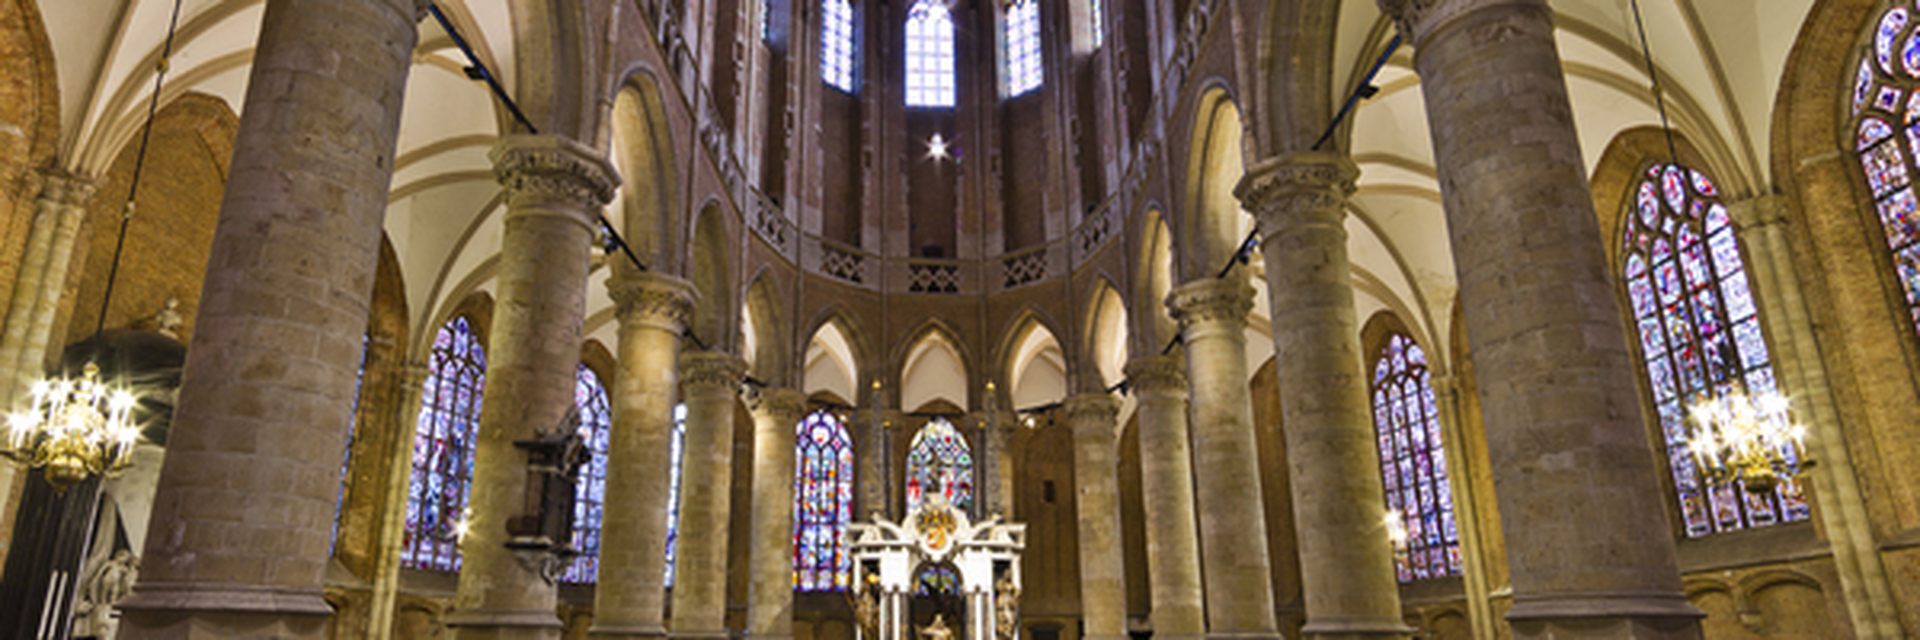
(837, 44)
(823, 503)
(939, 462)
(1022, 47)
(1413, 462)
(676, 451)
(1887, 108)
(930, 68)
(596, 421)
(1699, 333)
(443, 449)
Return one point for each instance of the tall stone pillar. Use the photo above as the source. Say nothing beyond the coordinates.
(412, 379)
(59, 211)
(998, 423)
(1096, 472)
(1841, 507)
(1591, 554)
(709, 381)
(1346, 559)
(1233, 522)
(1166, 481)
(629, 597)
(244, 509)
(776, 415)
(1467, 507)
(554, 189)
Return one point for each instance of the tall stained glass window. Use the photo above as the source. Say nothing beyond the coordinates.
(676, 450)
(443, 442)
(836, 44)
(1699, 335)
(1885, 102)
(1413, 463)
(1023, 47)
(929, 55)
(596, 420)
(939, 461)
(823, 503)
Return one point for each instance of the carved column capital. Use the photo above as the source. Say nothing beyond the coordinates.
(782, 405)
(1759, 213)
(651, 299)
(1419, 19)
(541, 172)
(1210, 300)
(1091, 414)
(1158, 375)
(58, 187)
(412, 373)
(705, 373)
(1310, 187)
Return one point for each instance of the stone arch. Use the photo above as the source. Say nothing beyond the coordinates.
(643, 151)
(764, 331)
(1620, 169)
(1212, 219)
(1036, 366)
(368, 475)
(1154, 277)
(1107, 335)
(839, 340)
(1291, 108)
(32, 115)
(710, 267)
(553, 54)
(1374, 334)
(476, 307)
(935, 363)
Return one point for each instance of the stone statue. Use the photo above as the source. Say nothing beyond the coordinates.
(167, 322)
(108, 585)
(936, 631)
(866, 607)
(1006, 609)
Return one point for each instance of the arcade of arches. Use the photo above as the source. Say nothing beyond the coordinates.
(1246, 359)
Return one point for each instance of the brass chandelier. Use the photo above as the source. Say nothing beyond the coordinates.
(1735, 437)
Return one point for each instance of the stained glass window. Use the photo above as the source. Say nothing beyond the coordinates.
(676, 451)
(929, 55)
(1887, 74)
(836, 44)
(443, 449)
(1413, 463)
(1097, 17)
(1023, 47)
(823, 503)
(346, 456)
(937, 580)
(596, 420)
(939, 461)
(1699, 335)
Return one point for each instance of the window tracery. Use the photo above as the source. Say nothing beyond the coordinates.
(1885, 100)
(939, 460)
(837, 44)
(1022, 47)
(1413, 462)
(823, 503)
(930, 69)
(1699, 333)
(443, 449)
(596, 420)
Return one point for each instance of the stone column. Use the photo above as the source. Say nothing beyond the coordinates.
(412, 379)
(776, 415)
(998, 423)
(1166, 480)
(244, 507)
(1467, 505)
(629, 598)
(709, 381)
(554, 189)
(59, 211)
(1239, 581)
(1760, 223)
(1096, 472)
(1346, 559)
(1566, 436)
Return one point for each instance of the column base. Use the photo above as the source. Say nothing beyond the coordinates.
(1634, 616)
(769, 636)
(1245, 635)
(626, 631)
(505, 624)
(188, 611)
(1355, 629)
(1103, 637)
(717, 634)
(1179, 636)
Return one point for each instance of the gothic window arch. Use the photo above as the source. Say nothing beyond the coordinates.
(837, 44)
(930, 68)
(1699, 335)
(1022, 47)
(1886, 103)
(939, 460)
(443, 449)
(823, 503)
(1413, 461)
(596, 421)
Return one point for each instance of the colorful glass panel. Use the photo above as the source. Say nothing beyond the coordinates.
(930, 68)
(443, 443)
(590, 494)
(1413, 462)
(1886, 160)
(1023, 47)
(1699, 335)
(940, 461)
(836, 44)
(823, 503)
(676, 451)
(1891, 24)
(1097, 22)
